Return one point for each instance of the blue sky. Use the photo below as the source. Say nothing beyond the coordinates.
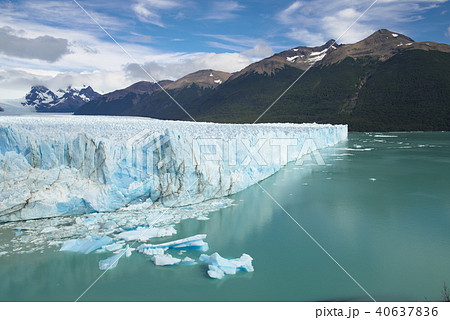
(56, 44)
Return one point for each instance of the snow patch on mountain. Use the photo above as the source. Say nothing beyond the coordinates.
(43, 99)
(292, 59)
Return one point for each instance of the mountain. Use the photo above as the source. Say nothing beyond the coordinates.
(119, 101)
(386, 82)
(204, 79)
(299, 57)
(153, 101)
(69, 100)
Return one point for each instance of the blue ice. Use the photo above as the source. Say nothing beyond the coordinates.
(219, 266)
(86, 245)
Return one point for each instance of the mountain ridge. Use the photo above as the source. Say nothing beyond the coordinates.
(69, 100)
(334, 89)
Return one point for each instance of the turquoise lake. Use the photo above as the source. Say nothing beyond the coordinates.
(380, 206)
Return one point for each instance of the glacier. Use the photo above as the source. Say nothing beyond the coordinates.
(56, 166)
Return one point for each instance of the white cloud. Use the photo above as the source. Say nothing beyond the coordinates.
(228, 62)
(259, 51)
(314, 22)
(149, 10)
(447, 33)
(306, 36)
(223, 10)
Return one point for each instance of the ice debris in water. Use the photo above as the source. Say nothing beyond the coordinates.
(143, 234)
(113, 247)
(165, 260)
(188, 261)
(86, 245)
(49, 230)
(112, 262)
(152, 251)
(190, 243)
(219, 266)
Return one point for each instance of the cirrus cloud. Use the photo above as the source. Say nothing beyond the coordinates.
(314, 22)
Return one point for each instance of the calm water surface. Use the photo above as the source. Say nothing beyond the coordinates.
(380, 206)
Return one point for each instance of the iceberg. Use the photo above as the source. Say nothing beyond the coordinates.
(219, 266)
(190, 243)
(165, 260)
(71, 165)
(86, 245)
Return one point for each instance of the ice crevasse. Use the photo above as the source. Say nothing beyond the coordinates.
(60, 165)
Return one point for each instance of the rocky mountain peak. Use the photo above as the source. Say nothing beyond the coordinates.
(204, 78)
(64, 100)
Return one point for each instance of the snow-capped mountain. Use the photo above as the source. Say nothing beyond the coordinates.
(68, 100)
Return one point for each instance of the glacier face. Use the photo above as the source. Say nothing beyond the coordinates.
(68, 165)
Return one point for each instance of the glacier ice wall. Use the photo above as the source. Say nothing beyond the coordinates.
(67, 165)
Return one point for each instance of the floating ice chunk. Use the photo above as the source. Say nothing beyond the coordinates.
(165, 260)
(3, 253)
(17, 232)
(86, 245)
(110, 225)
(244, 263)
(372, 179)
(128, 251)
(188, 261)
(151, 252)
(85, 220)
(219, 266)
(111, 262)
(215, 272)
(191, 243)
(385, 136)
(143, 234)
(113, 247)
(49, 230)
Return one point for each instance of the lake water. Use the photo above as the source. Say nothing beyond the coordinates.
(380, 206)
